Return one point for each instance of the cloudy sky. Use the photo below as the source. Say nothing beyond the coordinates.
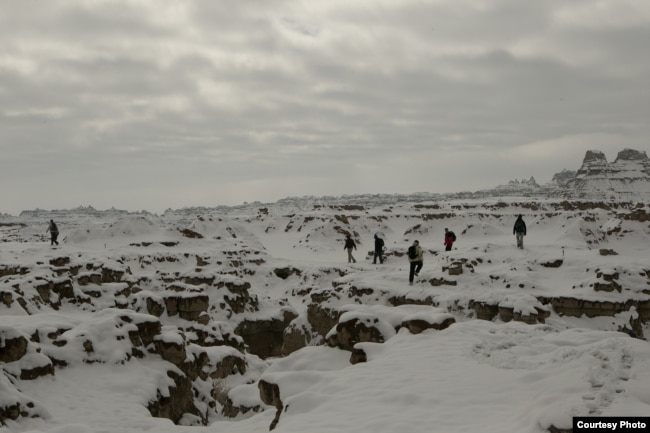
(152, 104)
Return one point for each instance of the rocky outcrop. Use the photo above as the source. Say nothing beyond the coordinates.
(416, 326)
(175, 402)
(147, 329)
(13, 270)
(232, 410)
(17, 410)
(296, 336)
(265, 337)
(322, 318)
(14, 345)
(575, 307)
(270, 395)
(562, 178)
(353, 331)
(186, 306)
(490, 311)
(36, 365)
(21, 358)
(628, 177)
(286, 272)
(631, 155)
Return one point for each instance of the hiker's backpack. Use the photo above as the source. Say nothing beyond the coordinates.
(452, 235)
(520, 226)
(412, 252)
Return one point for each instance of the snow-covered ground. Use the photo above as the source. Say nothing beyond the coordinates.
(476, 375)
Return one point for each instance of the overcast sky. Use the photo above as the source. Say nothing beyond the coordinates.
(154, 104)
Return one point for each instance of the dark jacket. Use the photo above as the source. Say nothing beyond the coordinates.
(349, 243)
(520, 226)
(379, 243)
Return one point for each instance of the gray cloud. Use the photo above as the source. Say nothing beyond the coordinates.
(161, 104)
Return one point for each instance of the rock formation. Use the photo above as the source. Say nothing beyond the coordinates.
(627, 178)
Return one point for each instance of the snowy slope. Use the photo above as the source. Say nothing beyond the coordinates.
(496, 375)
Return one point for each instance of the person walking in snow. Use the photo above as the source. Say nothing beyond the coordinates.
(349, 246)
(379, 250)
(415, 260)
(519, 230)
(450, 238)
(54, 233)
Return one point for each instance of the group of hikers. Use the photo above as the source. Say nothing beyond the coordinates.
(415, 252)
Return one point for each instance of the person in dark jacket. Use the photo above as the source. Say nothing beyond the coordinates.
(349, 246)
(519, 230)
(415, 261)
(379, 250)
(54, 233)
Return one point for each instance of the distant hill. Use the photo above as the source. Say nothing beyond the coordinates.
(627, 178)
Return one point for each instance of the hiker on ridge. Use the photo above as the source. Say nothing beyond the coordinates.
(519, 230)
(349, 246)
(379, 250)
(54, 232)
(415, 260)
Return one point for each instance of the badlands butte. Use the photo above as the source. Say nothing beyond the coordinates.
(214, 293)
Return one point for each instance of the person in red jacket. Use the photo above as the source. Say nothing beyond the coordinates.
(450, 238)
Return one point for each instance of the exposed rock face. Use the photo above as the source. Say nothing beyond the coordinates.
(563, 177)
(631, 155)
(490, 311)
(416, 326)
(285, 273)
(188, 307)
(517, 186)
(270, 394)
(354, 331)
(16, 411)
(594, 164)
(628, 177)
(230, 410)
(295, 337)
(39, 365)
(265, 337)
(172, 351)
(322, 318)
(578, 307)
(178, 402)
(13, 347)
